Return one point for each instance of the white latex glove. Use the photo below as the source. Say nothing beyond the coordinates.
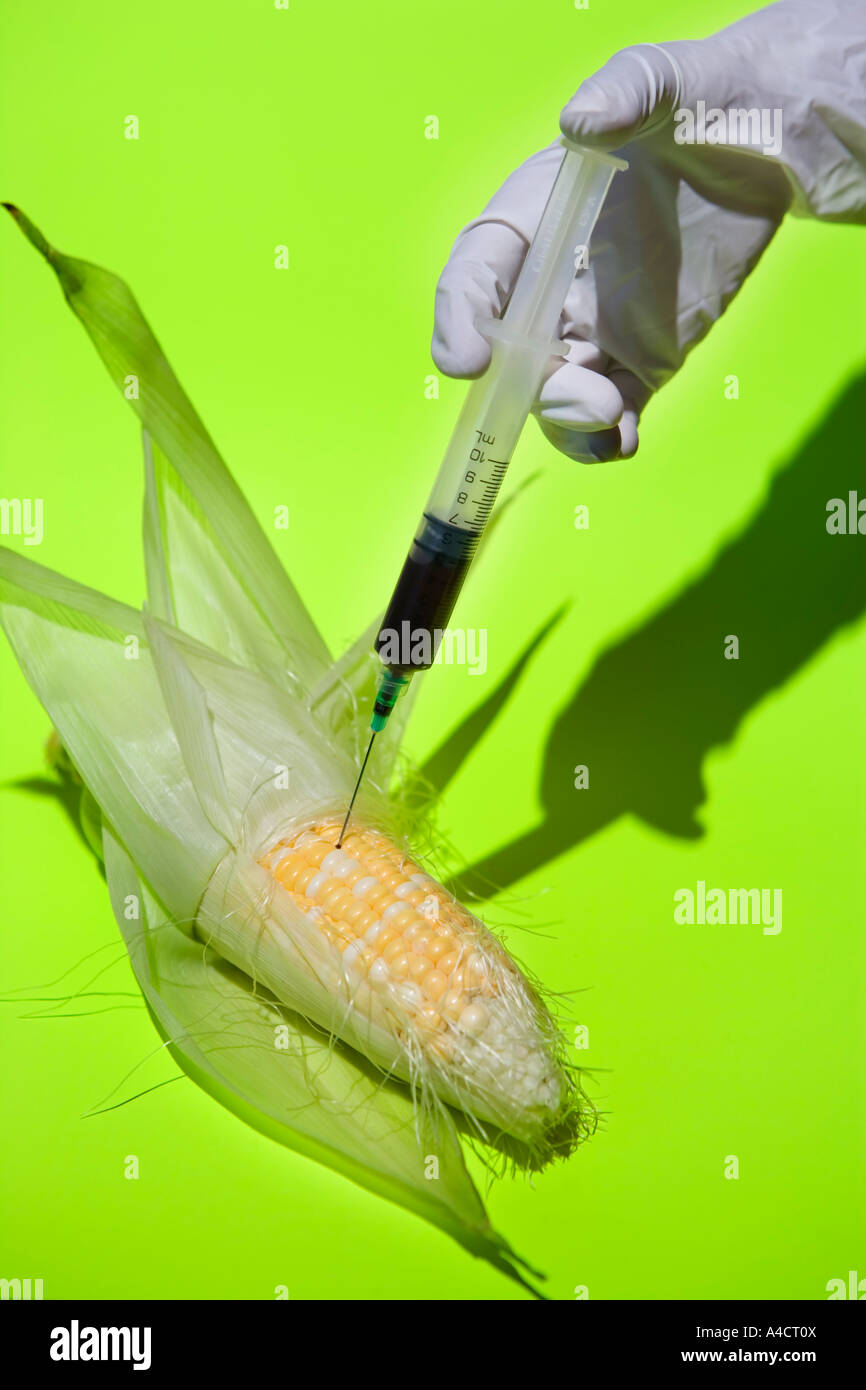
(686, 223)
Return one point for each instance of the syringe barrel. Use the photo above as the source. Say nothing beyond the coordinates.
(486, 434)
(561, 242)
(493, 415)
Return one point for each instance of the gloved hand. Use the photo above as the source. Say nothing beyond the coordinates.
(687, 222)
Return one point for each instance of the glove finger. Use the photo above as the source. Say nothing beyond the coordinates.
(579, 408)
(594, 446)
(636, 90)
(589, 408)
(635, 394)
(476, 283)
(484, 264)
(578, 397)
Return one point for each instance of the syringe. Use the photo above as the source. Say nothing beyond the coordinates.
(488, 429)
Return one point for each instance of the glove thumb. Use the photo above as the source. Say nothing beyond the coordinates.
(636, 90)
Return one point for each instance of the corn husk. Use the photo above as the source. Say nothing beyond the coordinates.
(203, 727)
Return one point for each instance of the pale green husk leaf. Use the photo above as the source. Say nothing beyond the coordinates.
(177, 720)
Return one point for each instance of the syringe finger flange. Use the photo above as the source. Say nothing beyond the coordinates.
(497, 331)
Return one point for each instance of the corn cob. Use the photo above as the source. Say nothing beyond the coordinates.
(420, 967)
(365, 944)
(175, 750)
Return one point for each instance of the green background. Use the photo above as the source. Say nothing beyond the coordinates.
(306, 127)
